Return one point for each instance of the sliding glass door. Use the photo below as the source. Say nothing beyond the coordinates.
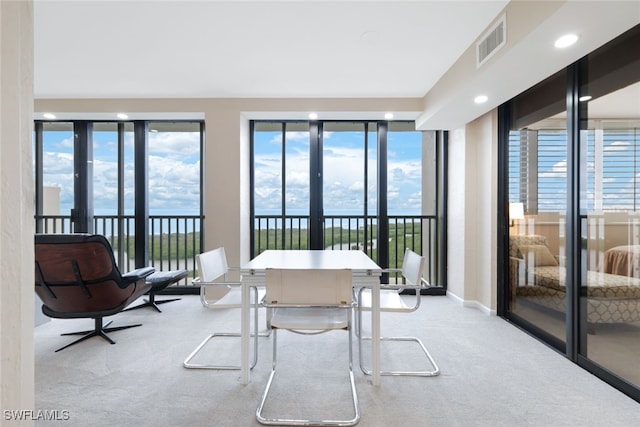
(610, 208)
(537, 195)
(571, 200)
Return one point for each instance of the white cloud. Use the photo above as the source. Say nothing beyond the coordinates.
(343, 172)
(559, 170)
(617, 146)
(174, 144)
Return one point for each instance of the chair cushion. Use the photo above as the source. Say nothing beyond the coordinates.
(309, 319)
(161, 279)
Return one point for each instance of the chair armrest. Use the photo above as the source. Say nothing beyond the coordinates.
(137, 274)
(197, 281)
(391, 270)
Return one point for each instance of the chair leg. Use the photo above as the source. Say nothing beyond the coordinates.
(303, 422)
(151, 302)
(435, 371)
(189, 365)
(98, 330)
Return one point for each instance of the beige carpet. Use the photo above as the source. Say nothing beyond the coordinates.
(492, 375)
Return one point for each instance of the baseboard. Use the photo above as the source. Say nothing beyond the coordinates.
(472, 304)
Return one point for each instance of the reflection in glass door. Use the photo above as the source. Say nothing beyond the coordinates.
(537, 190)
(610, 208)
(574, 270)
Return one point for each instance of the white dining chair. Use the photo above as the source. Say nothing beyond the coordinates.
(392, 301)
(218, 292)
(309, 302)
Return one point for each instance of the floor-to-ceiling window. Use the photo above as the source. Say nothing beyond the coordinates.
(571, 158)
(347, 185)
(87, 180)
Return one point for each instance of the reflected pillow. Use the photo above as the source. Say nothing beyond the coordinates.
(537, 255)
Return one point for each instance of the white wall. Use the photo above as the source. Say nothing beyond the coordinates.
(16, 208)
(457, 241)
(472, 214)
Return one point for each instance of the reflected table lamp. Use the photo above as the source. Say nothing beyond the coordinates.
(516, 211)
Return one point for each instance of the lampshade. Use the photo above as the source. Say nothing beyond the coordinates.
(516, 211)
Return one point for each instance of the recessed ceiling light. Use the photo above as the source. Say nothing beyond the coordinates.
(49, 116)
(585, 98)
(566, 41)
(313, 116)
(480, 99)
(388, 116)
(122, 116)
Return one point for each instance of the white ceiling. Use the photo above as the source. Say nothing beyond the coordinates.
(215, 48)
(316, 49)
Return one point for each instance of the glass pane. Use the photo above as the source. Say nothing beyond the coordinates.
(267, 168)
(281, 205)
(404, 193)
(610, 207)
(404, 169)
(119, 231)
(174, 168)
(344, 184)
(174, 194)
(537, 195)
(372, 169)
(105, 169)
(57, 163)
(343, 168)
(297, 169)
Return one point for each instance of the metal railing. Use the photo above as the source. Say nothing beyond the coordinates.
(174, 240)
(354, 232)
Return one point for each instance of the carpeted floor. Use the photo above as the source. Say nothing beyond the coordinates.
(492, 374)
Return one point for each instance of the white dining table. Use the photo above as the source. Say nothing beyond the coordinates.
(364, 270)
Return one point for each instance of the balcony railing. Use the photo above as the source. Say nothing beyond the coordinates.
(174, 241)
(353, 232)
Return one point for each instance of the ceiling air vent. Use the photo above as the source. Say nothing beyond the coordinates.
(491, 41)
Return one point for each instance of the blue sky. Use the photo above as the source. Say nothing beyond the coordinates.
(343, 167)
(174, 171)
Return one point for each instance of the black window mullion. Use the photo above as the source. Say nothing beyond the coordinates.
(383, 216)
(39, 171)
(82, 214)
(315, 189)
(121, 200)
(141, 221)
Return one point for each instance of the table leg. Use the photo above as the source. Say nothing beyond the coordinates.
(375, 334)
(245, 332)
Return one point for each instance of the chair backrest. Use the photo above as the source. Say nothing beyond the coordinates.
(212, 264)
(308, 286)
(77, 273)
(412, 266)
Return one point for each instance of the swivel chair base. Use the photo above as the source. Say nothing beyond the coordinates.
(98, 330)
